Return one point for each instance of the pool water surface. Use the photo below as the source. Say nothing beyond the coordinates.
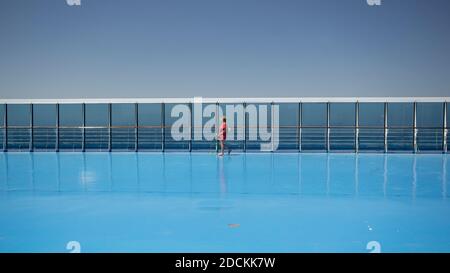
(198, 202)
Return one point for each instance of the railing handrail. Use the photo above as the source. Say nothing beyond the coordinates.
(200, 127)
(225, 100)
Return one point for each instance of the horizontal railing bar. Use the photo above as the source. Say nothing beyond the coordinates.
(237, 127)
(226, 100)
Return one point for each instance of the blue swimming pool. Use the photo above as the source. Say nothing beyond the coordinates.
(197, 202)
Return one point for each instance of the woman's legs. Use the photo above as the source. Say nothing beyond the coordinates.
(222, 146)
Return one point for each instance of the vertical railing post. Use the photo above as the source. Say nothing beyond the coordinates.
(244, 104)
(31, 143)
(328, 126)
(5, 140)
(163, 125)
(109, 127)
(272, 126)
(191, 131)
(136, 124)
(299, 124)
(415, 127)
(57, 129)
(444, 136)
(357, 126)
(83, 143)
(217, 127)
(385, 127)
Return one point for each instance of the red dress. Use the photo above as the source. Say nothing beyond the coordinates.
(223, 131)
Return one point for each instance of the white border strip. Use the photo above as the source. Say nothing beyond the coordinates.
(226, 100)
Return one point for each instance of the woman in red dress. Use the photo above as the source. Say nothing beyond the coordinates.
(222, 136)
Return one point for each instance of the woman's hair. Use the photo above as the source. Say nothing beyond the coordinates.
(224, 119)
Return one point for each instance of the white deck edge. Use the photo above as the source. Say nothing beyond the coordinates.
(225, 100)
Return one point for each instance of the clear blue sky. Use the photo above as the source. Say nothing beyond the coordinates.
(224, 48)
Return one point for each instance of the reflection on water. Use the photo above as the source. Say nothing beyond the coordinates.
(222, 177)
(444, 177)
(302, 174)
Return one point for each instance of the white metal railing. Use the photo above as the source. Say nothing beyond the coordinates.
(226, 100)
(298, 137)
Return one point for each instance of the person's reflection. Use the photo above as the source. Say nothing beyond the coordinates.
(222, 178)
